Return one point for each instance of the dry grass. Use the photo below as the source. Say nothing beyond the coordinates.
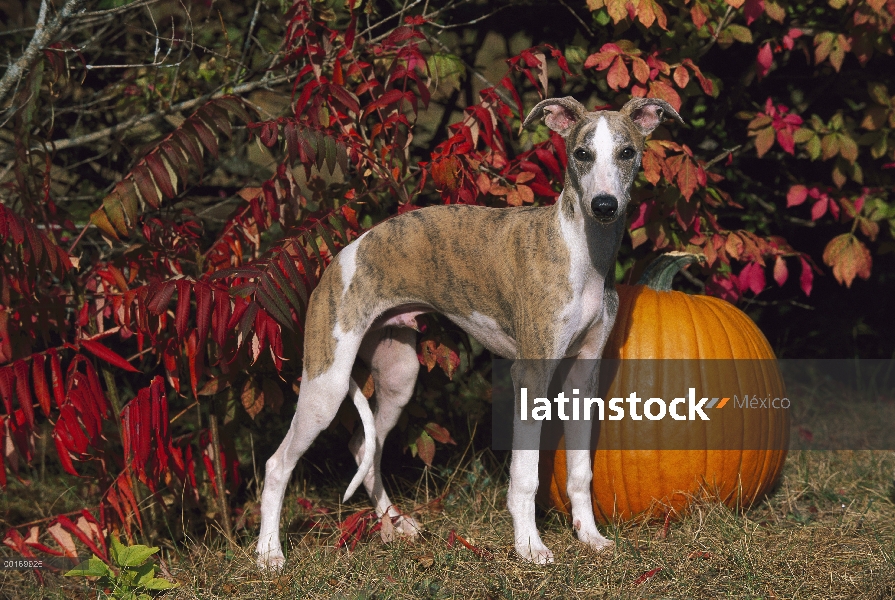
(827, 532)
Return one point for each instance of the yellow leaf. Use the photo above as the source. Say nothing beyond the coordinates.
(849, 258)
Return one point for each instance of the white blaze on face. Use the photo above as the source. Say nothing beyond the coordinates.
(603, 177)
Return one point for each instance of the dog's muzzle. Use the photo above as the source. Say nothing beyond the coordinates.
(604, 207)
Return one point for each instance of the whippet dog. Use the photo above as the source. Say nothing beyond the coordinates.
(528, 283)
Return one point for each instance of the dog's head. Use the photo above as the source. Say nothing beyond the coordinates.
(604, 148)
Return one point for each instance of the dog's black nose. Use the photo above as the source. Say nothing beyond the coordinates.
(604, 206)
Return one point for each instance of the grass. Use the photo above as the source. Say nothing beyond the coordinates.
(828, 531)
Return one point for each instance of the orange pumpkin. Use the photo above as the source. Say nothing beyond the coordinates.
(655, 322)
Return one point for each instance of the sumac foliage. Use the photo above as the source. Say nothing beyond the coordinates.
(164, 222)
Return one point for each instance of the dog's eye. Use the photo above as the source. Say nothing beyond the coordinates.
(582, 154)
(628, 153)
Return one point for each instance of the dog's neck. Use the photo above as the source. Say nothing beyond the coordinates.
(597, 242)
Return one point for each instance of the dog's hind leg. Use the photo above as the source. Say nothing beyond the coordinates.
(391, 354)
(318, 402)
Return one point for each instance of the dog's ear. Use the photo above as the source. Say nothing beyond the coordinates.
(648, 113)
(560, 114)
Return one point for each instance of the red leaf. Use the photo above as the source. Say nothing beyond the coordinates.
(146, 185)
(819, 208)
(764, 60)
(439, 433)
(786, 140)
(618, 76)
(752, 10)
(160, 174)
(780, 271)
(662, 90)
(752, 278)
(203, 311)
(269, 133)
(70, 526)
(454, 537)
(182, 315)
(425, 447)
(796, 196)
(7, 381)
(221, 316)
(806, 279)
(389, 97)
(107, 355)
(15, 541)
(205, 136)
(159, 297)
(127, 493)
(63, 453)
(23, 390)
(39, 377)
(681, 77)
(644, 577)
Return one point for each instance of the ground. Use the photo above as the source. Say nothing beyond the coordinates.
(828, 531)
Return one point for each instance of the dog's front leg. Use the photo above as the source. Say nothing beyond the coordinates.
(583, 379)
(534, 376)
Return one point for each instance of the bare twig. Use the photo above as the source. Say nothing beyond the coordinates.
(248, 42)
(387, 19)
(114, 11)
(579, 19)
(182, 106)
(472, 22)
(43, 34)
(156, 62)
(503, 95)
(725, 20)
(692, 279)
(723, 155)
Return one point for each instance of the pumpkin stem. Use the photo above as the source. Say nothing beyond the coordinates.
(659, 274)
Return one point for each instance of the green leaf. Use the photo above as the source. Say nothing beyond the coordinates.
(764, 140)
(830, 145)
(133, 556)
(848, 148)
(837, 122)
(879, 93)
(160, 584)
(823, 43)
(116, 548)
(740, 33)
(803, 135)
(144, 574)
(447, 68)
(575, 54)
(813, 147)
(92, 567)
(878, 150)
(329, 145)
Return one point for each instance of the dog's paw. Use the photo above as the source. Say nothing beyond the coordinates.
(400, 526)
(536, 552)
(407, 527)
(595, 541)
(271, 561)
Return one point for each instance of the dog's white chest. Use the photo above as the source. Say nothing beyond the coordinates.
(582, 314)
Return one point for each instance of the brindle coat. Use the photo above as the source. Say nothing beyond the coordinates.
(526, 282)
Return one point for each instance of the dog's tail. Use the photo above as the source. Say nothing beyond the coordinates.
(366, 418)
